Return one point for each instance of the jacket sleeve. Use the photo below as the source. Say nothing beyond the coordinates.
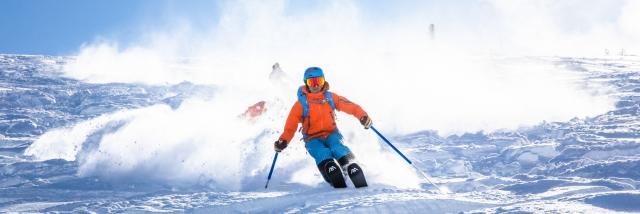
(346, 106)
(290, 127)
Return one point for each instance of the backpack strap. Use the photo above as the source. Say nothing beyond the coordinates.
(305, 105)
(327, 95)
(302, 98)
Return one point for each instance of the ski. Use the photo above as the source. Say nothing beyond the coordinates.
(356, 175)
(334, 175)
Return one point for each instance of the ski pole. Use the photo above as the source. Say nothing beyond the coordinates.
(271, 170)
(405, 158)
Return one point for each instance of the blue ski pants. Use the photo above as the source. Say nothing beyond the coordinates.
(330, 147)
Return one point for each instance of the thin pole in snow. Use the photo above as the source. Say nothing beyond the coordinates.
(405, 158)
(271, 170)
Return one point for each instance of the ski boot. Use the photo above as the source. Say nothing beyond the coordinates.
(353, 170)
(332, 173)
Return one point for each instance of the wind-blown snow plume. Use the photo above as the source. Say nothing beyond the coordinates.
(374, 64)
(405, 81)
(197, 144)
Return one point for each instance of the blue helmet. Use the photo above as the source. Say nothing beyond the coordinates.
(312, 72)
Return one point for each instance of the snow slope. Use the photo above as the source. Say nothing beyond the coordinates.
(72, 146)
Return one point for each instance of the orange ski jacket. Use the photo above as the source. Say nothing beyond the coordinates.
(321, 119)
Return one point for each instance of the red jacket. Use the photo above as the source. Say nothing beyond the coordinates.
(321, 120)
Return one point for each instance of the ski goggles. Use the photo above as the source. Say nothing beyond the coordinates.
(315, 81)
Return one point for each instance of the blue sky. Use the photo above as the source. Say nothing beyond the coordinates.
(59, 27)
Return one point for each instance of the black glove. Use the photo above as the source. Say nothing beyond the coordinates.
(366, 121)
(279, 145)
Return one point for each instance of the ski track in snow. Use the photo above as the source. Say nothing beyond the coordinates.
(585, 165)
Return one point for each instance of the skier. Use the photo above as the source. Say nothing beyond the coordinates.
(315, 109)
